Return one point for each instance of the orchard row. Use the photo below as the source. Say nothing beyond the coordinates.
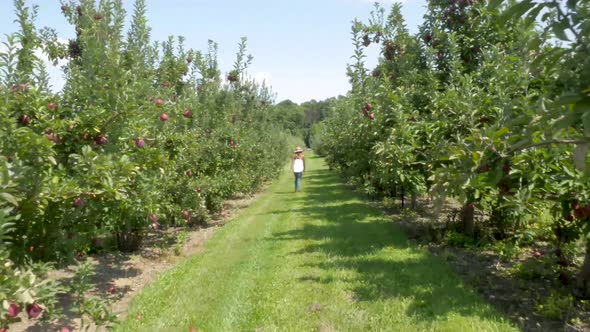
(483, 106)
(144, 135)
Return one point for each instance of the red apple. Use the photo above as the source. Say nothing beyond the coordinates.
(506, 168)
(153, 217)
(51, 136)
(65, 329)
(185, 214)
(164, 117)
(52, 106)
(155, 226)
(25, 119)
(372, 116)
(232, 77)
(189, 59)
(112, 289)
(13, 310)
(78, 201)
(189, 173)
(159, 102)
(537, 254)
(581, 212)
(31, 248)
(140, 143)
(34, 310)
(101, 140)
(187, 114)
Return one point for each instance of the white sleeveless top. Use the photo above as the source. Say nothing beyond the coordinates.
(298, 165)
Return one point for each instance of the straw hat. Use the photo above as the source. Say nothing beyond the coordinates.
(298, 149)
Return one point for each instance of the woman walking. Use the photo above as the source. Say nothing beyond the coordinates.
(298, 166)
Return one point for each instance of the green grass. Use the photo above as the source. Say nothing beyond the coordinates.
(318, 260)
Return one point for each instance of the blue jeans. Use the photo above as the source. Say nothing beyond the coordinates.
(298, 177)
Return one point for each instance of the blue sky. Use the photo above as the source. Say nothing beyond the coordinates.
(301, 47)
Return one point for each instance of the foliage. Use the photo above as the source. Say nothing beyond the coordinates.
(483, 105)
(85, 305)
(141, 133)
(557, 306)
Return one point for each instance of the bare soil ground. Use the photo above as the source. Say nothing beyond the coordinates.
(130, 272)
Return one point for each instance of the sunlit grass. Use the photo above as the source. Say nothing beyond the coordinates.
(319, 260)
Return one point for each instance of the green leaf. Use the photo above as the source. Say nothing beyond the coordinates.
(494, 4)
(571, 4)
(9, 198)
(559, 28)
(532, 15)
(565, 121)
(568, 99)
(520, 144)
(517, 10)
(501, 132)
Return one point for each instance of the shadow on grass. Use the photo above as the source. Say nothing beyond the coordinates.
(359, 238)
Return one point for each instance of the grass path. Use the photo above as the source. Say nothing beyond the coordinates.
(318, 260)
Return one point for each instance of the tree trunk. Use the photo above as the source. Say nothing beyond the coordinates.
(584, 276)
(467, 217)
(414, 201)
(402, 197)
(580, 156)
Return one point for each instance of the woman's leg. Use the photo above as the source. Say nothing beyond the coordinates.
(298, 181)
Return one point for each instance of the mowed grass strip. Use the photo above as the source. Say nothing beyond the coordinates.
(318, 260)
